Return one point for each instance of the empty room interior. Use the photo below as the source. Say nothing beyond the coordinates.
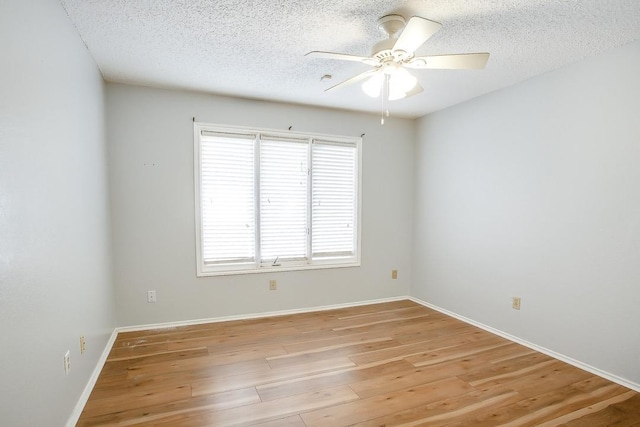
(296, 214)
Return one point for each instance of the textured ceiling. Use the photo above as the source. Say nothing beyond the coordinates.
(255, 49)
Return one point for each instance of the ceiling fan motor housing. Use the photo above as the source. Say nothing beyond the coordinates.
(391, 26)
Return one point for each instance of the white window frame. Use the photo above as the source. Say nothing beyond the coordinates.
(203, 270)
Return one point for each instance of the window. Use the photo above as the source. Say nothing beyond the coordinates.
(274, 201)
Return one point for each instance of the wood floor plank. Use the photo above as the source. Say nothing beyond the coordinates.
(333, 341)
(413, 377)
(379, 322)
(167, 335)
(246, 353)
(208, 363)
(565, 411)
(433, 328)
(232, 340)
(622, 413)
(110, 379)
(125, 364)
(382, 314)
(448, 410)
(373, 407)
(122, 353)
(344, 342)
(266, 411)
(417, 350)
(513, 360)
(346, 350)
(123, 402)
(219, 384)
(530, 411)
(330, 379)
(549, 377)
(511, 369)
(294, 421)
(190, 376)
(140, 385)
(382, 317)
(456, 352)
(160, 413)
(395, 363)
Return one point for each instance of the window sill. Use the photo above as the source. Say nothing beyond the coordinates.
(276, 269)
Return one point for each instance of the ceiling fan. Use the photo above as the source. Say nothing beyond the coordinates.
(392, 57)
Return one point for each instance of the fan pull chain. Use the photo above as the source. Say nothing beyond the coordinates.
(385, 99)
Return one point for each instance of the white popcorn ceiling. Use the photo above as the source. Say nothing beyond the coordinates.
(255, 48)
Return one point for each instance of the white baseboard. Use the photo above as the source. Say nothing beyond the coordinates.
(255, 315)
(555, 355)
(84, 397)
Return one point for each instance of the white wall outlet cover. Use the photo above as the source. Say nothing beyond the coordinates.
(151, 296)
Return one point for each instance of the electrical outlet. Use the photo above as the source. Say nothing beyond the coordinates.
(151, 296)
(67, 362)
(273, 285)
(83, 345)
(394, 274)
(516, 303)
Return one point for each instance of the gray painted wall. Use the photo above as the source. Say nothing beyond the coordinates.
(150, 135)
(55, 270)
(534, 191)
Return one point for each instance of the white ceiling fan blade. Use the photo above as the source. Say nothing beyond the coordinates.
(463, 61)
(352, 80)
(339, 56)
(415, 33)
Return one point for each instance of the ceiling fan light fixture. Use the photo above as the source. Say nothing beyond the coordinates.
(401, 82)
(373, 85)
(395, 95)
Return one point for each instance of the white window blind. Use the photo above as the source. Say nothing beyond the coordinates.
(283, 199)
(227, 198)
(273, 200)
(334, 199)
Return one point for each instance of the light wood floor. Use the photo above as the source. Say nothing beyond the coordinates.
(378, 365)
